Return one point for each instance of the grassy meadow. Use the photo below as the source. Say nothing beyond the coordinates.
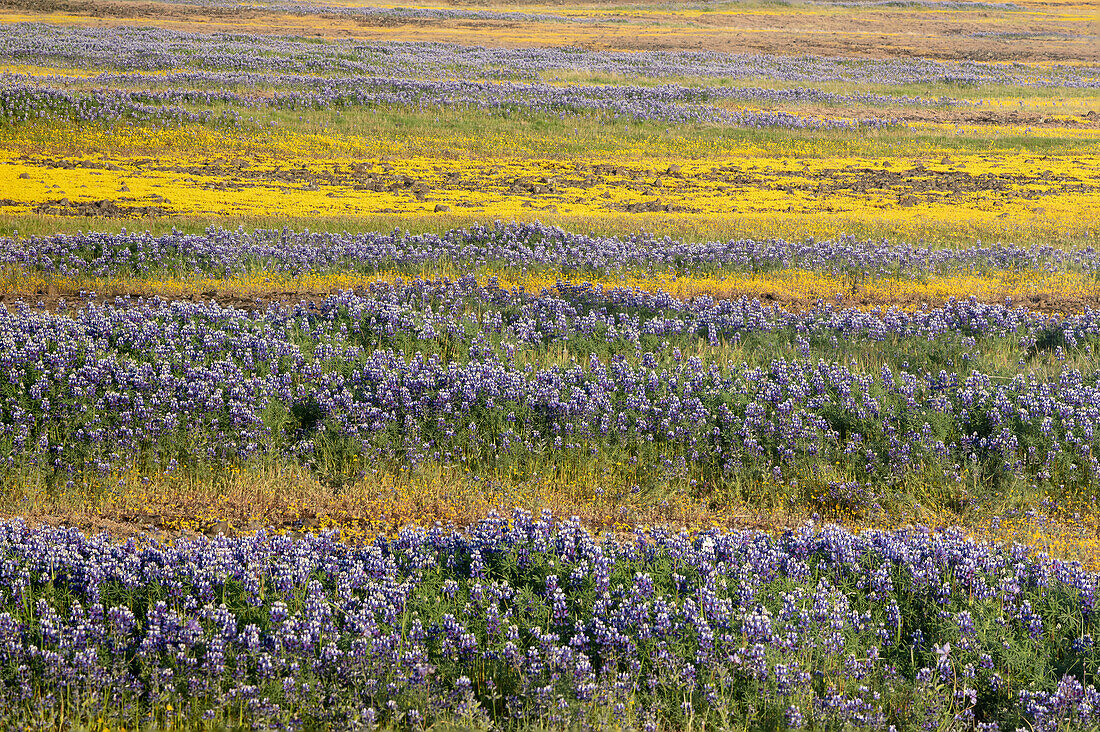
(653, 366)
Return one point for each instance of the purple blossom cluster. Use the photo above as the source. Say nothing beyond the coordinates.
(22, 99)
(429, 372)
(151, 49)
(521, 245)
(521, 620)
(292, 85)
(400, 14)
(257, 72)
(588, 309)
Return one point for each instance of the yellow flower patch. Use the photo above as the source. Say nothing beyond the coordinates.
(199, 171)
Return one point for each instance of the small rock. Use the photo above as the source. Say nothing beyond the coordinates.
(440, 207)
(218, 528)
(24, 176)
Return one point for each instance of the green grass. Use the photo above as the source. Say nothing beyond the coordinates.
(525, 134)
(689, 227)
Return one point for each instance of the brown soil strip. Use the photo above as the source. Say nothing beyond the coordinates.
(1042, 302)
(359, 512)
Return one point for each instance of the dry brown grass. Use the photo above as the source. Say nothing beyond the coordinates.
(291, 500)
(381, 504)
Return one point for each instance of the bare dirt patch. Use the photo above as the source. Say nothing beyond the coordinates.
(117, 209)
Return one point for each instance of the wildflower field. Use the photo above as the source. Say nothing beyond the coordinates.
(584, 366)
